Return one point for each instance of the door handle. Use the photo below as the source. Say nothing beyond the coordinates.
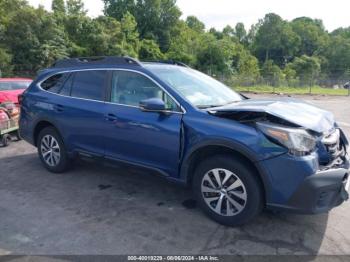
(59, 108)
(111, 117)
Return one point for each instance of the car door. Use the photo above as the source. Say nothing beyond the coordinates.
(82, 111)
(150, 139)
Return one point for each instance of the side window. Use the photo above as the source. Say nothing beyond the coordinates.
(89, 84)
(129, 88)
(54, 83)
(65, 90)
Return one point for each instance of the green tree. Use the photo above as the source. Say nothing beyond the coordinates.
(240, 32)
(149, 51)
(35, 40)
(195, 24)
(343, 32)
(312, 34)
(130, 42)
(155, 18)
(58, 7)
(228, 31)
(184, 44)
(272, 74)
(5, 63)
(216, 56)
(76, 7)
(307, 68)
(337, 57)
(275, 40)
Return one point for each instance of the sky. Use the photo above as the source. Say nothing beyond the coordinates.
(219, 13)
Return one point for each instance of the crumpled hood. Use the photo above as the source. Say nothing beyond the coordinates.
(293, 110)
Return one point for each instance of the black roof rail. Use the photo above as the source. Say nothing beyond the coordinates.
(170, 62)
(98, 60)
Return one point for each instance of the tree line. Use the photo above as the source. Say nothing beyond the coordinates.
(276, 51)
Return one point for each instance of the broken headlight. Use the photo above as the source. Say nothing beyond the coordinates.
(298, 141)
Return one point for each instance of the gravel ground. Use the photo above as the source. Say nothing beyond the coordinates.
(98, 210)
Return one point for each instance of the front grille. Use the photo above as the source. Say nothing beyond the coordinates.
(335, 149)
(332, 143)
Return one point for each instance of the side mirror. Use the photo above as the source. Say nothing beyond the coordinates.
(152, 105)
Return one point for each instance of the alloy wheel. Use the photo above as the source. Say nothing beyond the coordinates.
(224, 192)
(50, 150)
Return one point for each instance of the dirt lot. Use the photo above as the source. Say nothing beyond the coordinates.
(97, 210)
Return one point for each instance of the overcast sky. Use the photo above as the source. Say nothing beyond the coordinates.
(219, 13)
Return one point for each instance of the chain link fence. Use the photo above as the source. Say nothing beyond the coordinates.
(293, 86)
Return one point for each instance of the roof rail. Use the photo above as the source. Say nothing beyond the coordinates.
(170, 62)
(98, 60)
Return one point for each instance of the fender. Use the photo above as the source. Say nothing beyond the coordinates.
(184, 175)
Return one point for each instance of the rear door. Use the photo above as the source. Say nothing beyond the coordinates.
(146, 138)
(81, 111)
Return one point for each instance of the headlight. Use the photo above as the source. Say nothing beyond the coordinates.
(298, 141)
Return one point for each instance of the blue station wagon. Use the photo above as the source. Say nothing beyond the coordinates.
(239, 155)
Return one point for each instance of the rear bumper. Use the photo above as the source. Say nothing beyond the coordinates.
(318, 193)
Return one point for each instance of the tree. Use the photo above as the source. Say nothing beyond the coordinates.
(130, 42)
(184, 44)
(307, 68)
(37, 44)
(216, 56)
(5, 63)
(76, 7)
(272, 73)
(118, 8)
(149, 51)
(343, 32)
(312, 34)
(337, 57)
(240, 32)
(58, 7)
(275, 40)
(228, 31)
(195, 24)
(155, 18)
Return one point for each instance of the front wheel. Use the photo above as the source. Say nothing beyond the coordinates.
(52, 151)
(228, 190)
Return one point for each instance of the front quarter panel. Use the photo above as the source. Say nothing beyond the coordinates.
(201, 129)
(205, 130)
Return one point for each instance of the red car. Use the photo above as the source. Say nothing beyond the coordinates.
(10, 88)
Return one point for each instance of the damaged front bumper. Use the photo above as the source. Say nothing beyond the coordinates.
(319, 193)
(305, 186)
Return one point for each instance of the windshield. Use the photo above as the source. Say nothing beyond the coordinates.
(5, 86)
(199, 89)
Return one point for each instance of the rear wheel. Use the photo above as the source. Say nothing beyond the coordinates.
(52, 151)
(227, 190)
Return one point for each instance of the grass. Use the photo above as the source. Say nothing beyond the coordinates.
(315, 90)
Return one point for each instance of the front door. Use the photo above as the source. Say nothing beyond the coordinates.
(151, 139)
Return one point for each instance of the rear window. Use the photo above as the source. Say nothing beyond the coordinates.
(55, 83)
(14, 85)
(89, 84)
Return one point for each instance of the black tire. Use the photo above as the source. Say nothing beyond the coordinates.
(63, 163)
(5, 140)
(254, 199)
